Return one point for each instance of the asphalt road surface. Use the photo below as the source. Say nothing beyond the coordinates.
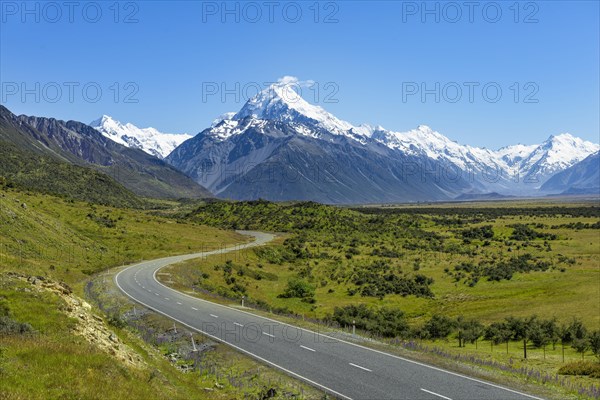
(344, 370)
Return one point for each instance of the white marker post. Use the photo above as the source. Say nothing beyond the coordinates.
(243, 297)
(353, 328)
(193, 343)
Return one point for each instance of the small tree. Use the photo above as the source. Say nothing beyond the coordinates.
(594, 342)
(498, 332)
(581, 346)
(473, 331)
(552, 331)
(539, 336)
(439, 326)
(575, 330)
(523, 329)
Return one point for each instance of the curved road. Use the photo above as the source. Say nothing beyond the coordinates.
(343, 369)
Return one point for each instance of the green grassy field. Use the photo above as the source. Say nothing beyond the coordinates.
(482, 262)
(335, 252)
(328, 260)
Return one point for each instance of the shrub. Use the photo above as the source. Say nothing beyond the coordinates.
(480, 232)
(384, 321)
(298, 288)
(8, 326)
(589, 368)
(439, 326)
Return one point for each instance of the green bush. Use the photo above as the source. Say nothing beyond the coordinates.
(588, 368)
(384, 321)
(298, 288)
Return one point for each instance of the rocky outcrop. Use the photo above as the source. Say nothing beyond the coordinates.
(90, 326)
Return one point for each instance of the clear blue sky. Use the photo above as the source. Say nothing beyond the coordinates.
(376, 54)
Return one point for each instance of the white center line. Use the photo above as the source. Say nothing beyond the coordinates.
(214, 316)
(268, 334)
(363, 368)
(236, 324)
(436, 394)
(166, 298)
(179, 303)
(307, 348)
(194, 308)
(157, 294)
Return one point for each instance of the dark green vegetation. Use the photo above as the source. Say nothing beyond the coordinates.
(45, 174)
(515, 281)
(401, 255)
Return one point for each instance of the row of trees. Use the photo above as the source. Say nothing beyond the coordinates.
(530, 331)
(542, 332)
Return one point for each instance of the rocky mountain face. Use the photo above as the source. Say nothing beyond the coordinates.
(82, 145)
(581, 178)
(279, 147)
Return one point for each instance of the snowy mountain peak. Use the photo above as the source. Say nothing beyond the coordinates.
(281, 102)
(222, 117)
(558, 152)
(149, 139)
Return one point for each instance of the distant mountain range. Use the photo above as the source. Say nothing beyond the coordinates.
(581, 178)
(149, 140)
(279, 147)
(77, 144)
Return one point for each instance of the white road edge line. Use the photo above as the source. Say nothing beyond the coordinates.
(436, 394)
(287, 371)
(307, 348)
(358, 366)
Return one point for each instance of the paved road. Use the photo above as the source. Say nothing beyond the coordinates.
(343, 369)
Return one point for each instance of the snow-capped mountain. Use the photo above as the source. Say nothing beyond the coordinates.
(556, 154)
(277, 133)
(581, 178)
(149, 140)
(281, 103)
(514, 154)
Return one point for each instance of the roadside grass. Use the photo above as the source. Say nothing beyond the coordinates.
(52, 363)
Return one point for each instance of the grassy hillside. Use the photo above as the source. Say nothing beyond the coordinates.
(55, 239)
(30, 171)
(67, 240)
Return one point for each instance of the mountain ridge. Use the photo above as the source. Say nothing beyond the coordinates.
(150, 140)
(81, 145)
(276, 112)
